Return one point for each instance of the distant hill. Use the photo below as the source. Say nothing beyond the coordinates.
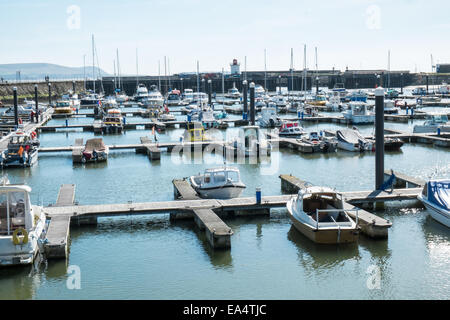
(38, 71)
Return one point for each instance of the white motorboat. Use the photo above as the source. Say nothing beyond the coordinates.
(352, 140)
(436, 198)
(269, 118)
(444, 89)
(22, 226)
(91, 99)
(390, 107)
(174, 98)
(200, 99)
(141, 93)
(121, 98)
(22, 150)
(218, 183)
(340, 89)
(291, 130)
(233, 93)
(334, 102)
(187, 97)
(112, 121)
(432, 123)
(154, 98)
(358, 113)
(318, 213)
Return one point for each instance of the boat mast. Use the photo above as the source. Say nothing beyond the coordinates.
(223, 83)
(159, 75)
(317, 70)
(115, 80)
(168, 72)
(137, 69)
(265, 71)
(93, 63)
(245, 68)
(198, 84)
(165, 71)
(84, 72)
(99, 72)
(304, 74)
(292, 71)
(118, 69)
(389, 69)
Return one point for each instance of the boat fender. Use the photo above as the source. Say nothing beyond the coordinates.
(20, 240)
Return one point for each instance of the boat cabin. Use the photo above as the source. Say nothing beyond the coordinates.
(194, 132)
(219, 176)
(15, 209)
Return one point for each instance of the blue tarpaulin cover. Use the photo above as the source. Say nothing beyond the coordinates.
(439, 193)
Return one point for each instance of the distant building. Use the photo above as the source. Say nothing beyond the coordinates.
(443, 68)
(235, 67)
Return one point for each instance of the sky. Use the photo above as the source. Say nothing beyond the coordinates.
(347, 33)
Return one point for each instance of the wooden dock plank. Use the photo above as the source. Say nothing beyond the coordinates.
(66, 195)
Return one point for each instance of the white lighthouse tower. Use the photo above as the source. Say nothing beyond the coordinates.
(235, 67)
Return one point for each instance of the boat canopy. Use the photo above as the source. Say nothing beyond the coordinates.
(439, 193)
(350, 136)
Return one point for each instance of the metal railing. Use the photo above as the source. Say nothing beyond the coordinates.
(335, 210)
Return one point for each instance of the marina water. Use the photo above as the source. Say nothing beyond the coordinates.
(148, 257)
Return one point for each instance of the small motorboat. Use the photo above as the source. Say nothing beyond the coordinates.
(291, 130)
(174, 98)
(435, 197)
(432, 123)
(220, 115)
(269, 118)
(94, 150)
(352, 140)
(63, 108)
(218, 183)
(22, 225)
(318, 213)
(195, 132)
(390, 107)
(22, 150)
(233, 93)
(358, 113)
(112, 122)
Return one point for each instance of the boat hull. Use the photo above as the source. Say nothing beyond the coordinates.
(323, 236)
(440, 215)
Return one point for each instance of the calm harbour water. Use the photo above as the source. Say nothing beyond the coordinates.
(148, 257)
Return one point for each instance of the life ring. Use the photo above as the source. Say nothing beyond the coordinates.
(18, 240)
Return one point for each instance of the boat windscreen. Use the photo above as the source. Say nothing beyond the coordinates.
(439, 193)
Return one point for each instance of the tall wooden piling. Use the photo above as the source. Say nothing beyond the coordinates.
(16, 113)
(252, 103)
(379, 137)
(244, 98)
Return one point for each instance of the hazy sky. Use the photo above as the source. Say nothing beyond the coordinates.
(352, 33)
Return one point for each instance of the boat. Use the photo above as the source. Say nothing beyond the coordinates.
(165, 115)
(195, 132)
(340, 89)
(112, 122)
(307, 110)
(357, 96)
(121, 98)
(352, 140)
(390, 107)
(187, 97)
(73, 97)
(432, 123)
(154, 98)
(291, 130)
(90, 99)
(63, 108)
(318, 100)
(392, 94)
(22, 150)
(358, 113)
(419, 92)
(319, 214)
(444, 89)
(109, 103)
(199, 99)
(269, 118)
(94, 150)
(233, 93)
(220, 115)
(218, 183)
(392, 144)
(334, 102)
(435, 197)
(253, 143)
(260, 91)
(22, 226)
(174, 98)
(141, 93)
(21, 112)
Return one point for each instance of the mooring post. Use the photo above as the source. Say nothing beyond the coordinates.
(16, 113)
(73, 86)
(49, 94)
(427, 84)
(36, 102)
(244, 98)
(252, 103)
(379, 137)
(210, 92)
(317, 85)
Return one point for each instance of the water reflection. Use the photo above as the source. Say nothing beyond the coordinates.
(318, 258)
